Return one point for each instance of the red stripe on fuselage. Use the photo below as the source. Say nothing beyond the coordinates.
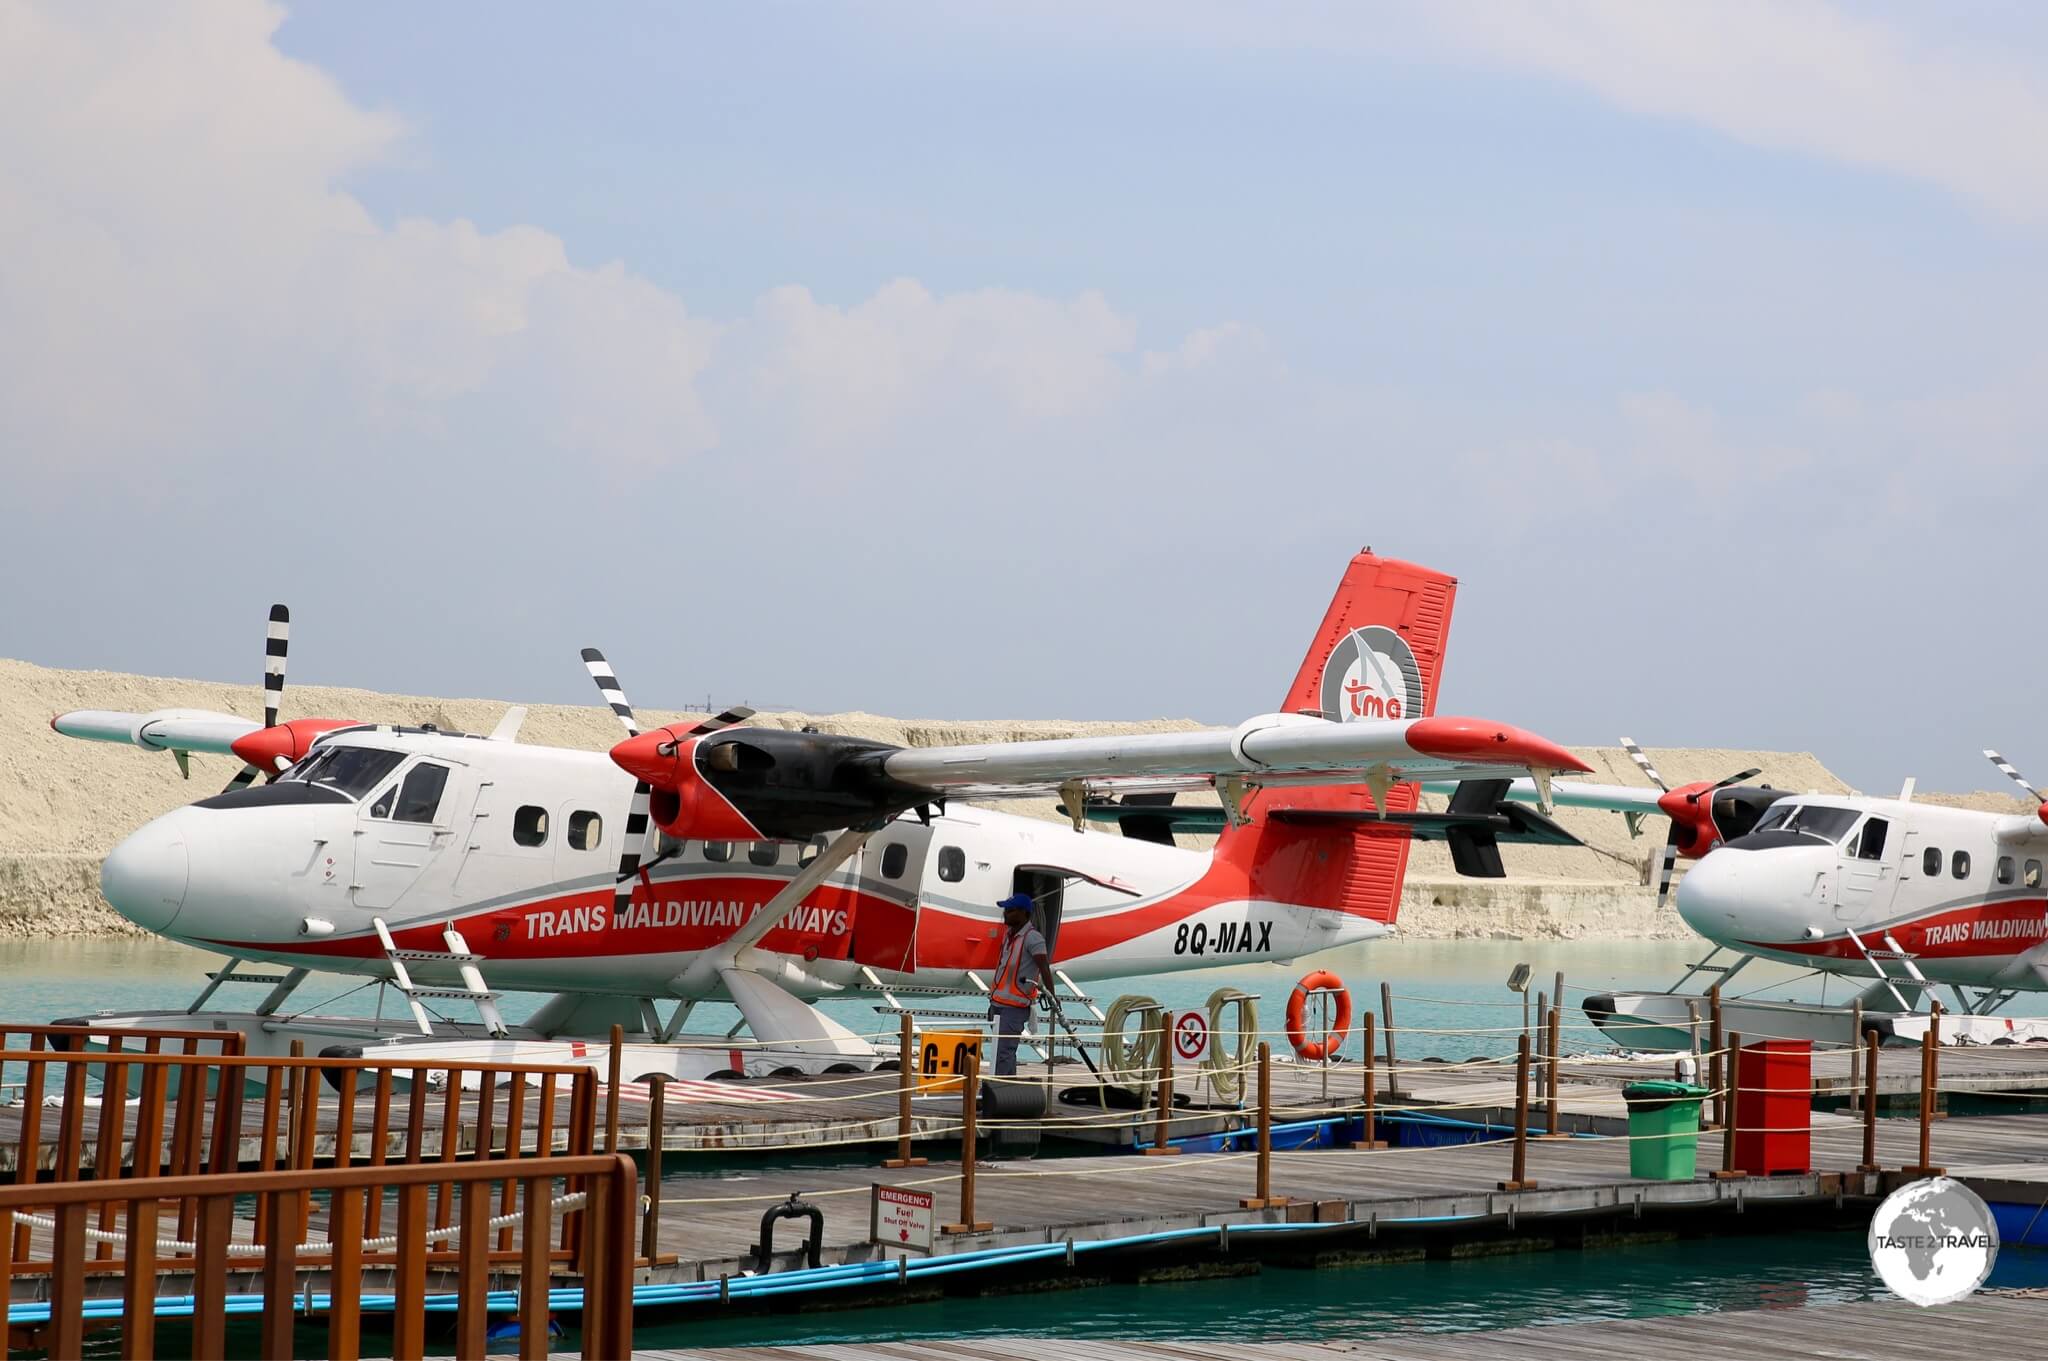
(2003, 928)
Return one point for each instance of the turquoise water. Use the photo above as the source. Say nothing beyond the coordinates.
(1451, 998)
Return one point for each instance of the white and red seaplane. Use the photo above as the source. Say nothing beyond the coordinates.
(772, 868)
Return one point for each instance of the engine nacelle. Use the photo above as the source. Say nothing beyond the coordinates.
(1703, 816)
(272, 749)
(755, 784)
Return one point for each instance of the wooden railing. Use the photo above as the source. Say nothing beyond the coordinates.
(494, 1098)
(603, 1224)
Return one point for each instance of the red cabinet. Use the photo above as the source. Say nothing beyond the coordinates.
(1774, 1108)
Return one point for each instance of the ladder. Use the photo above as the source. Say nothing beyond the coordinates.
(1891, 951)
(458, 954)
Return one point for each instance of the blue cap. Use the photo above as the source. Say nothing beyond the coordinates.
(1020, 901)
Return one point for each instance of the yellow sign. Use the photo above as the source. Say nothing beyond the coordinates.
(942, 1058)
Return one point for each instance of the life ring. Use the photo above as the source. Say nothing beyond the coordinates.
(1322, 980)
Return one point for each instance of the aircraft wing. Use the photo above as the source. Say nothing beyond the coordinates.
(1277, 749)
(197, 730)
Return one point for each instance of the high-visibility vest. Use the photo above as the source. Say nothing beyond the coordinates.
(1011, 988)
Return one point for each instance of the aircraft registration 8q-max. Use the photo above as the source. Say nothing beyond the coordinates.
(772, 867)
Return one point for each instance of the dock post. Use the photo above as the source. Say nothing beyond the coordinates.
(657, 1140)
(1869, 1163)
(1518, 1180)
(1856, 1055)
(1394, 1092)
(611, 1089)
(970, 1091)
(1714, 1054)
(1930, 1084)
(1733, 1108)
(1265, 1197)
(906, 1078)
(1369, 1134)
(1162, 1131)
(1551, 1115)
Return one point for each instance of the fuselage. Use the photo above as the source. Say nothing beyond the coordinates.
(1835, 882)
(518, 847)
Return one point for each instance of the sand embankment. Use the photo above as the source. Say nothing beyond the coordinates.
(64, 803)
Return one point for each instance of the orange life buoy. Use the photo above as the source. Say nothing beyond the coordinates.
(1322, 980)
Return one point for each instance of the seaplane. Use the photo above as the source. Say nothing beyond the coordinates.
(1900, 899)
(727, 860)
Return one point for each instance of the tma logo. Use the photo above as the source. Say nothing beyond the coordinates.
(1371, 674)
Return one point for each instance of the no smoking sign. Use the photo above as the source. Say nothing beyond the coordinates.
(1191, 1036)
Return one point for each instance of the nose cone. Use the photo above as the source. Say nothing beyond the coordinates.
(1710, 896)
(643, 758)
(146, 875)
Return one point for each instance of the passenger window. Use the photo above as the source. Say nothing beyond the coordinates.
(2004, 870)
(530, 826)
(1930, 862)
(894, 858)
(952, 864)
(1959, 864)
(2033, 873)
(586, 829)
(764, 853)
(419, 795)
(810, 852)
(1870, 841)
(718, 852)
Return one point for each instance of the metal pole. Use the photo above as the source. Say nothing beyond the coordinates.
(1519, 1179)
(1550, 1120)
(1394, 1092)
(1856, 1055)
(1869, 1163)
(906, 1078)
(1715, 1067)
(1536, 1049)
(970, 1090)
(1323, 1009)
(611, 1091)
(1733, 1109)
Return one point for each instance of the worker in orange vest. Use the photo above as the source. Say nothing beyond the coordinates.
(1024, 962)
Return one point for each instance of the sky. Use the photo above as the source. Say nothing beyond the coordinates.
(1043, 361)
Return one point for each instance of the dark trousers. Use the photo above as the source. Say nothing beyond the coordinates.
(1009, 1025)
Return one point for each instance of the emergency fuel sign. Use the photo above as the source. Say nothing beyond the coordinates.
(902, 1218)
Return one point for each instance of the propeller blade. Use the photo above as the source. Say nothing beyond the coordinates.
(244, 777)
(2013, 774)
(738, 713)
(275, 646)
(1670, 864)
(608, 686)
(1636, 754)
(633, 846)
(1737, 778)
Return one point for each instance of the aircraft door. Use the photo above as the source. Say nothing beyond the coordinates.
(400, 830)
(1048, 891)
(1869, 870)
(889, 873)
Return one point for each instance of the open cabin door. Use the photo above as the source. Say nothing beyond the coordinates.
(1047, 888)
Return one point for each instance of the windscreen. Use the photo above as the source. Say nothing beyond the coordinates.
(352, 770)
(1829, 824)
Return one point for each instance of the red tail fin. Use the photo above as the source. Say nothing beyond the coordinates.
(1377, 655)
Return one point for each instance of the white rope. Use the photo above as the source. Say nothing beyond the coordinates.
(387, 1243)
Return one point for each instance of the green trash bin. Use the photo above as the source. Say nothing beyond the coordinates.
(1663, 1129)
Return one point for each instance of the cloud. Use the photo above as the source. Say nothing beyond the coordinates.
(1810, 77)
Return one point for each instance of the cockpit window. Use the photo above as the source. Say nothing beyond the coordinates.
(1774, 817)
(1829, 824)
(1868, 844)
(352, 770)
